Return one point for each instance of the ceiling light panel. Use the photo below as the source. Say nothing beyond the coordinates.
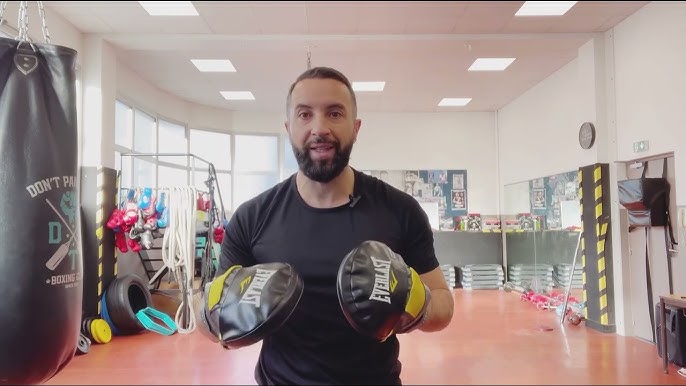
(238, 95)
(545, 8)
(491, 64)
(454, 102)
(213, 65)
(169, 8)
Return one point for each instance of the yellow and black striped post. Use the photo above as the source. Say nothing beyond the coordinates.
(582, 245)
(596, 250)
(98, 188)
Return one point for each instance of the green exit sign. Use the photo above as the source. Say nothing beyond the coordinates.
(640, 146)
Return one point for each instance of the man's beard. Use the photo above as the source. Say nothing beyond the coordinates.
(324, 170)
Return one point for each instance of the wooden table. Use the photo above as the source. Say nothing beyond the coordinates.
(678, 301)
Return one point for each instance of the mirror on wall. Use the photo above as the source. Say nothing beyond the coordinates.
(541, 221)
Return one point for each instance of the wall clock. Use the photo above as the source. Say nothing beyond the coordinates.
(587, 135)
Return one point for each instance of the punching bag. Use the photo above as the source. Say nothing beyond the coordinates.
(40, 243)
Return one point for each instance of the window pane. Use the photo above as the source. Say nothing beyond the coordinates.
(199, 177)
(257, 153)
(144, 132)
(123, 125)
(250, 185)
(171, 176)
(212, 147)
(123, 165)
(172, 140)
(290, 164)
(143, 173)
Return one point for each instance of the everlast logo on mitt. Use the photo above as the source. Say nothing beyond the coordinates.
(254, 292)
(384, 282)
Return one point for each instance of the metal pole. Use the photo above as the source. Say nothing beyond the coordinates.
(571, 278)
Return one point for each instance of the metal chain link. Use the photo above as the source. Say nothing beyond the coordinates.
(3, 5)
(41, 12)
(309, 58)
(23, 21)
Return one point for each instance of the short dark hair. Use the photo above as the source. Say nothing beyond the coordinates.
(323, 73)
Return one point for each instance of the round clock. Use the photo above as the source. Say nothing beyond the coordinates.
(587, 135)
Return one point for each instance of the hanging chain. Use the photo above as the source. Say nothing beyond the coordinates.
(44, 26)
(3, 5)
(309, 58)
(23, 21)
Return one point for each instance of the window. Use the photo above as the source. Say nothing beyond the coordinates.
(172, 139)
(213, 147)
(168, 176)
(125, 181)
(250, 185)
(144, 133)
(246, 165)
(290, 164)
(256, 166)
(144, 173)
(257, 153)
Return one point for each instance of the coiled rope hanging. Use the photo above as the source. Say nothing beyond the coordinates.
(178, 251)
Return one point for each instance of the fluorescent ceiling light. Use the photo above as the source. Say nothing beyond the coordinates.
(238, 95)
(491, 64)
(213, 65)
(368, 86)
(169, 8)
(545, 8)
(454, 101)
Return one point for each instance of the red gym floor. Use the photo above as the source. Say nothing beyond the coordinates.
(494, 339)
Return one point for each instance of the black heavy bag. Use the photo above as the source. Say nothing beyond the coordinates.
(40, 246)
(646, 200)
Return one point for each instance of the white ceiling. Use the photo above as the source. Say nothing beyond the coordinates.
(421, 49)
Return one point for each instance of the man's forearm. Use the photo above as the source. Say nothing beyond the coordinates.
(440, 311)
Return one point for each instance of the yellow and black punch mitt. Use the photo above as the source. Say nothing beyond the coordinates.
(245, 304)
(378, 293)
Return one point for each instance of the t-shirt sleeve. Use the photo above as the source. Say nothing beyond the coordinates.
(236, 245)
(419, 252)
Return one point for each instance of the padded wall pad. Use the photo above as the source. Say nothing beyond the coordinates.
(40, 241)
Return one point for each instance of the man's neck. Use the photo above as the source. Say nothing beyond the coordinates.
(326, 195)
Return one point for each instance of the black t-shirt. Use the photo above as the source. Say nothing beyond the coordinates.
(316, 345)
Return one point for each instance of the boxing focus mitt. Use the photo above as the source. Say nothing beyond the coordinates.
(245, 304)
(379, 294)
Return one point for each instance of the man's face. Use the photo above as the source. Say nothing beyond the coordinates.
(322, 127)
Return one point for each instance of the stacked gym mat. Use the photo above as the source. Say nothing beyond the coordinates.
(482, 276)
(536, 276)
(562, 273)
(450, 274)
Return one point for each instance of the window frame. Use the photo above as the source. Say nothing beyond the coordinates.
(281, 140)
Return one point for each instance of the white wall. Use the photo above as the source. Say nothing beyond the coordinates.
(434, 141)
(538, 132)
(651, 85)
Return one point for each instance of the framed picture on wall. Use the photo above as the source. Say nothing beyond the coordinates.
(539, 198)
(458, 181)
(457, 199)
(411, 175)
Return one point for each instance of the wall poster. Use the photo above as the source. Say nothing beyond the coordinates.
(446, 188)
(549, 194)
